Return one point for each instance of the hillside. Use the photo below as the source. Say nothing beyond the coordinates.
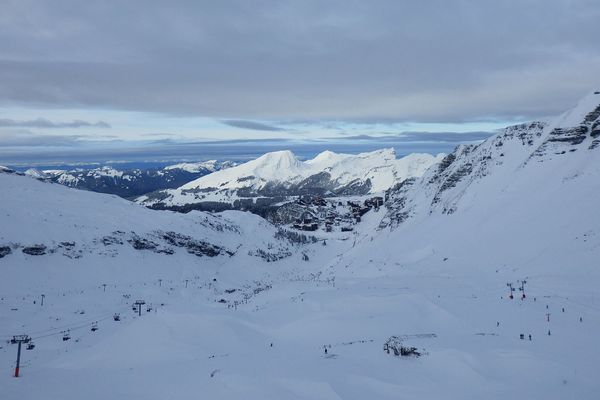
(267, 314)
(279, 175)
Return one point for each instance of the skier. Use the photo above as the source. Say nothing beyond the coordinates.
(325, 350)
(497, 324)
(530, 337)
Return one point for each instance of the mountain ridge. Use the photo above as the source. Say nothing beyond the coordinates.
(282, 174)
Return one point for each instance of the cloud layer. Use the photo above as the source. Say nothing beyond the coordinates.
(432, 60)
(252, 125)
(44, 123)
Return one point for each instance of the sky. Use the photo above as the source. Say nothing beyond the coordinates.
(80, 80)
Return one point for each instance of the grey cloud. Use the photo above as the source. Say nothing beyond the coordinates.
(423, 137)
(252, 125)
(433, 60)
(44, 123)
(26, 138)
(228, 150)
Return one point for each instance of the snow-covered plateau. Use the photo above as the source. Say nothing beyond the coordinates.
(238, 308)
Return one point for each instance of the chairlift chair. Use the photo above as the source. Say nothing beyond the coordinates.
(30, 346)
(66, 336)
(94, 326)
(117, 317)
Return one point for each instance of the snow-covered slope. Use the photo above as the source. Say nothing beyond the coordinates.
(522, 206)
(281, 173)
(523, 161)
(203, 166)
(46, 218)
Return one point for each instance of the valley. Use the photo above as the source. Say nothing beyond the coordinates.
(237, 306)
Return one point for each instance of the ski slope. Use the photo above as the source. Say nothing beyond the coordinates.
(431, 271)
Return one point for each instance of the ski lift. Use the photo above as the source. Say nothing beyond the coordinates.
(66, 336)
(94, 326)
(117, 317)
(149, 308)
(30, 345)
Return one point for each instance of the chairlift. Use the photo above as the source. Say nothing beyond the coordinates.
(66, 336)
(117, 317)
(30, 345)
(149, 308)
(94, 326)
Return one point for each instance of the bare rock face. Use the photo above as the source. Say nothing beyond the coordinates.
(193, 246)
(4, 251)
(567, 139)
(35, 250)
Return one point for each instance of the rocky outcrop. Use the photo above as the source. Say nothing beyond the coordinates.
(35, 250)
(4, 251)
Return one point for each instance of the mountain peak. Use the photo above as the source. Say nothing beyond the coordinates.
(278, 159)
(578, 114)
(326, 158)
(387, 153)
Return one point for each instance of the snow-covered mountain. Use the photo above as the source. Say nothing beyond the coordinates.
(202, 167)
(41, 218)
(280, 174)
(525, 166)
(130, 182)
(235, 309)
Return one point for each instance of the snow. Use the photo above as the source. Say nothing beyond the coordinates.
(283, 167)
(276, 166)
(34, 173)
(105, 171)
(574, 116)
(381, 167)
(54, 172)
(210, 165)
(437, 279)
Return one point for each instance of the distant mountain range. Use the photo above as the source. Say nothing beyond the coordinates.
(130, 183)
(493, 243)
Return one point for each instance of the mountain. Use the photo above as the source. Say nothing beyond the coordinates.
(203, 167)
(415, 302)
(80, 224)
(278, 175)
(130, 183)
(528, 166)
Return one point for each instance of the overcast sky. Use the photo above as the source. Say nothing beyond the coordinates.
(143, 70)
